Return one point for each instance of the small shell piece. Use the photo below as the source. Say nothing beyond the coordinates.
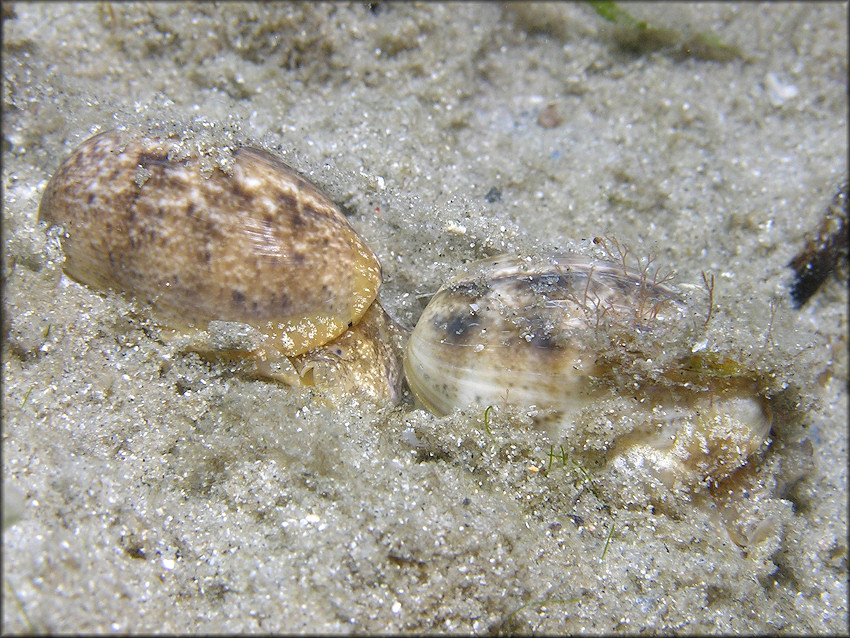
(696, 437)
(258, 244)
(511, 330)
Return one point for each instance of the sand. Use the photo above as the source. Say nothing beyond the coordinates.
(147, 489)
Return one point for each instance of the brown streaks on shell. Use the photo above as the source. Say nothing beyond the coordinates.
(257, 245)
(515, 327)
(523, 332)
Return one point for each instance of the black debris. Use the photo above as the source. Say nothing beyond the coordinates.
(824, 254)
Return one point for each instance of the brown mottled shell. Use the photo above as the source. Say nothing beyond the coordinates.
(512, 329)
(258, 244)
(522, 332)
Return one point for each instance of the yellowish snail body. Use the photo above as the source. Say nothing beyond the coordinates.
(265, 263)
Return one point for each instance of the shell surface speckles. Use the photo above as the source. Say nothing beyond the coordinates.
(258, 245)
(567, 336)
(510, 329)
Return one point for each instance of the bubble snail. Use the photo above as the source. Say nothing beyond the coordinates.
(255, 255)
(266, 264)
(560, 334)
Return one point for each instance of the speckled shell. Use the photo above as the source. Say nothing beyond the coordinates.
(258, 245)
(508, 329)
(522, 332)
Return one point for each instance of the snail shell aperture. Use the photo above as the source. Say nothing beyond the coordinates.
(523, 332)
(257, 244)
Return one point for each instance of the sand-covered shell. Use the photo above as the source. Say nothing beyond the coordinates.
(550, 334)
(254, 244)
